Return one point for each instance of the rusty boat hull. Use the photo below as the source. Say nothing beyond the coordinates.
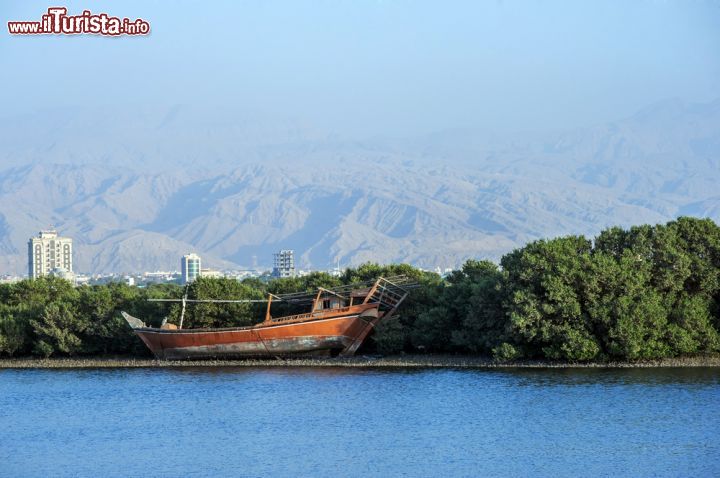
(330, 333)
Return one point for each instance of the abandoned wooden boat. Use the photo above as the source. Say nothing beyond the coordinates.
(338, 322)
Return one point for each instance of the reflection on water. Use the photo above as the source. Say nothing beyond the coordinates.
(239, 421)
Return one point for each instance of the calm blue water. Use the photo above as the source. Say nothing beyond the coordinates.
(340, 422)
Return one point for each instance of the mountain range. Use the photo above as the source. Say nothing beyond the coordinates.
(137, 189)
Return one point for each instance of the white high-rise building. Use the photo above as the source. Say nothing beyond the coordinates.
(49, 253)
(284, 264)
(190, 267)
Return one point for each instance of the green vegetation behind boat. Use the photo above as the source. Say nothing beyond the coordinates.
(647, 292)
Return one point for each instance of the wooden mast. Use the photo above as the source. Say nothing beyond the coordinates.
(268, 317)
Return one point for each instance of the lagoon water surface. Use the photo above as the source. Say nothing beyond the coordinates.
(353, 422)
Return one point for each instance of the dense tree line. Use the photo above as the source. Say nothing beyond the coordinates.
(49, 316)
(642, 293)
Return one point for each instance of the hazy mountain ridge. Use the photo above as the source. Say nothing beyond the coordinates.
(231, 192)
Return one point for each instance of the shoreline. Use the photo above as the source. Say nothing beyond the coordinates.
(369, 362)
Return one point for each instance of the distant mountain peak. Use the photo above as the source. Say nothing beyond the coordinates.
(138, 191)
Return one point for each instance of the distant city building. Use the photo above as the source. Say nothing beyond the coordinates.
(284, 264)
(211, 273)
(63, 274)
(242, 274)
(157, 277)
(336, 271)
(190, 268)
(49, 254)
(82, 279)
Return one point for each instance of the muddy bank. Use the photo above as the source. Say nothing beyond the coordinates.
(406, 361)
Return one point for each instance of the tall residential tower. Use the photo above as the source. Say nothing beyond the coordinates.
(284, 264)
(49, 253)
(190, 267)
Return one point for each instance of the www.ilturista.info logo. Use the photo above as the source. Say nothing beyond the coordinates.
(58, 22)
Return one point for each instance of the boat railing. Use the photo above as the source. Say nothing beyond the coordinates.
(387, 294)
(309, 315)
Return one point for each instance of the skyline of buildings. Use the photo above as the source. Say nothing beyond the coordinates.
(52, 254)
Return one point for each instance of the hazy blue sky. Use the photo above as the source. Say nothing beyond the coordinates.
(378, 67)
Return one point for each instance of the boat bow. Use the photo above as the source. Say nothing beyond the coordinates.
(133, 322)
